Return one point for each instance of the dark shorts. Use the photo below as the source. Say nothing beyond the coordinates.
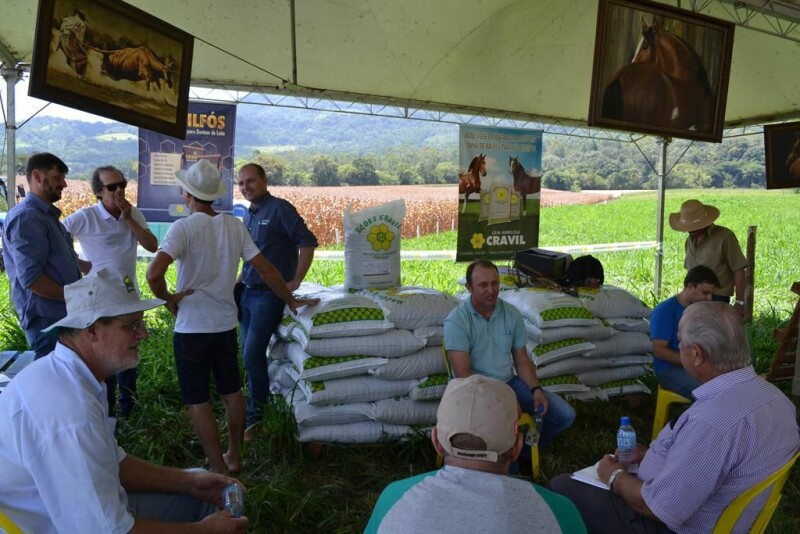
(197, 355)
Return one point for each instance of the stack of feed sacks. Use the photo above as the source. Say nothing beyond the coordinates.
(577, 352)
(350, 375)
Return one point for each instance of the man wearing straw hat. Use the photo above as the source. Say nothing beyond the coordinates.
(476, 432)
(62, 470)
(713, 246)
(207, 246)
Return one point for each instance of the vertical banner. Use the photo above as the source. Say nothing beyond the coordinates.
(500, 182)
(209, 135)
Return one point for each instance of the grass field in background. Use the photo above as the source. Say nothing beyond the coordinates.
(294, 491)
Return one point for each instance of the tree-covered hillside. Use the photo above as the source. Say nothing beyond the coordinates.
(304, 147)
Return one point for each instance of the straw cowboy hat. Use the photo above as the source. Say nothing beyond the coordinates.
(100, 294)
(202, 180)
(694, 215)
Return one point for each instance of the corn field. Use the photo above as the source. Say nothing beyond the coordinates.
(429, 209)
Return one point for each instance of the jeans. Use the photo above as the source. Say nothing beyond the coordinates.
(126, 380)
(262, 311)
(560, 414)
(678, 380)
(41, 343)
(169, 507)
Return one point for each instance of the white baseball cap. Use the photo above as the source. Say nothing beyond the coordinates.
(483, 407)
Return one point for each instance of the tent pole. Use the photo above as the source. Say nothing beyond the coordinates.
(12, 76)
(663, 142)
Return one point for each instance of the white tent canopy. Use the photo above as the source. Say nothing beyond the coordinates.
(529, 59)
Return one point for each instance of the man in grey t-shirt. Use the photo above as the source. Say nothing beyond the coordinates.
(476, 432)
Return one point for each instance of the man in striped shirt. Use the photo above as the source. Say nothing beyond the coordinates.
(739, 430)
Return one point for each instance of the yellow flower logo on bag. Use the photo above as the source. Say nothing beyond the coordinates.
(477, 241)
(501, 193)
(381, 237)
(514, 198)
(486, 197)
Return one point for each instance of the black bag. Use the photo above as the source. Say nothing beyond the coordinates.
(542, 263)
(584, 271)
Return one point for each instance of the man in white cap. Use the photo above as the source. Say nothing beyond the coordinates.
(62, 470)
(713, 246)
(476, 432)
(207, 246)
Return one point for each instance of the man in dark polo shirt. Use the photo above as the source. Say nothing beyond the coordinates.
(282, 236)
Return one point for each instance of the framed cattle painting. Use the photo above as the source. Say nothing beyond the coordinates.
(660, 70)
(109, 58)
(782, 155)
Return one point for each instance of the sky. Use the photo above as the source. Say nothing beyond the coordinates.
(27, 106)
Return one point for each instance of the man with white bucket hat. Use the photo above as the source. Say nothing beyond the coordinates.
(62, 470)
(207, 246)
(476, 432)
(713, 246)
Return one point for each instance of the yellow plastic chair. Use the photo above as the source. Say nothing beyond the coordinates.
(664, 399)
(731, 515)
(525, 421)
(7, 525)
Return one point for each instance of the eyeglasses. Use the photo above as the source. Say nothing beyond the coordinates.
(135, 326)
(113, 187)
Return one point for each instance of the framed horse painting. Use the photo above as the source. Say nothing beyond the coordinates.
(660, 70)
(112, 59)
(782, 154)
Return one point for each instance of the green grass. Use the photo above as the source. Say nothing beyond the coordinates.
(291, 490)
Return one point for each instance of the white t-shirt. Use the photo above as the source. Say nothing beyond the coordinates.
(106, 241)
(207, 250)
(59, 461)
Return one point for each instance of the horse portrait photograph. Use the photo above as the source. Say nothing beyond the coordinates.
(782, 155)
(109, 58)
(660, 70)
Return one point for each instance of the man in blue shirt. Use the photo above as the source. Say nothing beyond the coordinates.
(698, 286)
(38, 252)
(486, 336)
(282, 236)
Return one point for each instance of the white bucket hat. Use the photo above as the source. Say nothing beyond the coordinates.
(202, 180)
(100, 294)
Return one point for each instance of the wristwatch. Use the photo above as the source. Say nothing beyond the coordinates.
(534, 388)
(614, 474)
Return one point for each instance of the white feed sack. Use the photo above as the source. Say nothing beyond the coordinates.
(428, 361)
(433, 335)
(372, 246)
(316, 368)
(621, 344)
(405, 411)
(390, 344)
(549, 309)
(611, 374)
(353, 433)
(362, 388)
(413, 307)
(332, 414)
(612, 301)
(338, 314)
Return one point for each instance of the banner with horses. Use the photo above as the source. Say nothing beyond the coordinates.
(499, 188)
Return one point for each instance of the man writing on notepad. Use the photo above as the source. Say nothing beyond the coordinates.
(739, 430)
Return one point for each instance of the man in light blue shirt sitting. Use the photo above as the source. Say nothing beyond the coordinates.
(486, 336)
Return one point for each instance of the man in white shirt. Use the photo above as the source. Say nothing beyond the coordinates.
(208, 246)
(109, 233)
(62, 470)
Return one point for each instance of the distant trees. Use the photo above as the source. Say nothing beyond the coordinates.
(324, 172)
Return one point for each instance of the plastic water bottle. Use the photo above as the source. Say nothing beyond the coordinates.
(233, 499)
(626, 441)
